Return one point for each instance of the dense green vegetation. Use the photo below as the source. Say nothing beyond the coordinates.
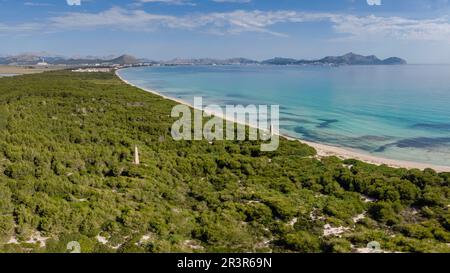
(66, 173)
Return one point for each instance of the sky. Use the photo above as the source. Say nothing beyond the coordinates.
(417, 30)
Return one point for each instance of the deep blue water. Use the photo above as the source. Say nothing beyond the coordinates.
(398, 112)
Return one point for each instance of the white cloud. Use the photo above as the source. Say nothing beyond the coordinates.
(20, 28)
(74, 2)
(220, 23)
(393, 28)
(240, 21)
(170, 2)
(36, 4)
(232, 1)
(189, 2)
(374, 2)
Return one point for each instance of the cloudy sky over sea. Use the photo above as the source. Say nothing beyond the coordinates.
(418, 30)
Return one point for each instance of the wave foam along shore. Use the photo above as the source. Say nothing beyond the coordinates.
(322, 149)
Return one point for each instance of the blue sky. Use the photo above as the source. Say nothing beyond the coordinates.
(418, 30)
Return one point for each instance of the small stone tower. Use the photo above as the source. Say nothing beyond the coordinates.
(136, 155)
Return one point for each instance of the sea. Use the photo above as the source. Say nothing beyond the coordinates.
(396, 112)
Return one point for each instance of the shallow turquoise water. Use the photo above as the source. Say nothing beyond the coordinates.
(398, 112)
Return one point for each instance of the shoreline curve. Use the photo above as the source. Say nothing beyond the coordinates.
(323, 150)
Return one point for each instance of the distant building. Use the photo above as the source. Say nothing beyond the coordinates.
(42, 63)
(92, 70)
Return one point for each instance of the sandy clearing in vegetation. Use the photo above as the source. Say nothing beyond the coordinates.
(19, 70)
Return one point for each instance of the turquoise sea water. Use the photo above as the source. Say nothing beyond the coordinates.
(397, 112)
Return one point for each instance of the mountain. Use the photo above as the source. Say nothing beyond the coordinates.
(76, 61)
(124, 60)
(355, 59)
(180, 61)
(29, 59)
(33, 59)
(147, 61)
(241, 61)
(347, 59)
(280, 61)
(351, 59)
(20, 59)
(394, 60)
(210, 61)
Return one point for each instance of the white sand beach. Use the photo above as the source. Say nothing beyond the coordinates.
(324, 150)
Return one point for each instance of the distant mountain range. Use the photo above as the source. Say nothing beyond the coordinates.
(33, 59)
(347, 59)
(209, 61)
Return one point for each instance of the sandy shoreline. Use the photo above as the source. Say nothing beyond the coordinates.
(324, 149)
